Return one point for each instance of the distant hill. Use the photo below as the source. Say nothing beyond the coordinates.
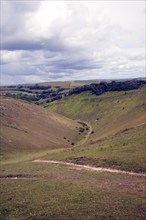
(43, 93)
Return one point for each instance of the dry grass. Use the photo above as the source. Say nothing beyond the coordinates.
(28, 126)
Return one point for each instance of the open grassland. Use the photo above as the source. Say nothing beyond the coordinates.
(44, 191)
(118, 121)
(26, 155)
(124, 151)
(108, 113)
(26, 126)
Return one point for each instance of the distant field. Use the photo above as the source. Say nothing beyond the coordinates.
(64, 84)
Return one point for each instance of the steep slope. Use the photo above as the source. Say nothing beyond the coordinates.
(118, 121)
(108, 114)
(28, 126)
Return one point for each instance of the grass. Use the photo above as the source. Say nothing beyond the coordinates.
(26, 155)
(117, 142)
(72, 106)
(88, 106)
(26, 126)
(125, 151)
(108, 113)
(60, 193)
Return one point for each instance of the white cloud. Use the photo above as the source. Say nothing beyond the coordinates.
(63, 40)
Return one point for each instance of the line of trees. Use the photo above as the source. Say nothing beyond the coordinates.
(103, 87)
(97, 89)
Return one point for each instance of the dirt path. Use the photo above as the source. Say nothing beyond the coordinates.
(89, 132)
(140, 124)
(17, 177)
(86, 167)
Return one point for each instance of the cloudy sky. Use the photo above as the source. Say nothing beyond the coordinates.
(71, 40)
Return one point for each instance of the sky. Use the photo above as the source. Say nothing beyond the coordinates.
(44, 41)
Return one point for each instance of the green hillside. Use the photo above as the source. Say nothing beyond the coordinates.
(118, 123)
(113, 137)
(107, 109)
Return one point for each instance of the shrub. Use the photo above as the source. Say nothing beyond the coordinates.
(81, 129)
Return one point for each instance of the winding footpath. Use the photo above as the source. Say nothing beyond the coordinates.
(87, 167)
(78, 166)
(89, 132)
(90, 168)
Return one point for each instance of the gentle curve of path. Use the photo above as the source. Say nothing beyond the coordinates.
(86, 167)
(140, 124)
(89, 132)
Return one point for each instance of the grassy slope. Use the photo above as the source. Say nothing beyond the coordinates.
(125, 151)
(118, 141)
(57, 192)
(109, 108)
(27, 126)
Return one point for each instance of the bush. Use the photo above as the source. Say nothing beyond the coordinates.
(81, 129)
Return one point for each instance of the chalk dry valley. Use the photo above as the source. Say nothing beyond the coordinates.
(73, 151)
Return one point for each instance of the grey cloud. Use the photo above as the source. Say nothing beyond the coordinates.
(79, 64)
(13, 14)
(50, 44)
(137, 57)
(21, 45)
(76, 47)
(23, 5)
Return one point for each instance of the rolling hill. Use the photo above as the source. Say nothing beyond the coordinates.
(108, 113)
(32, 137)
(118, 124)
(28, 126)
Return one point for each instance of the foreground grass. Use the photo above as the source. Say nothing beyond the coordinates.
(57, 192)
